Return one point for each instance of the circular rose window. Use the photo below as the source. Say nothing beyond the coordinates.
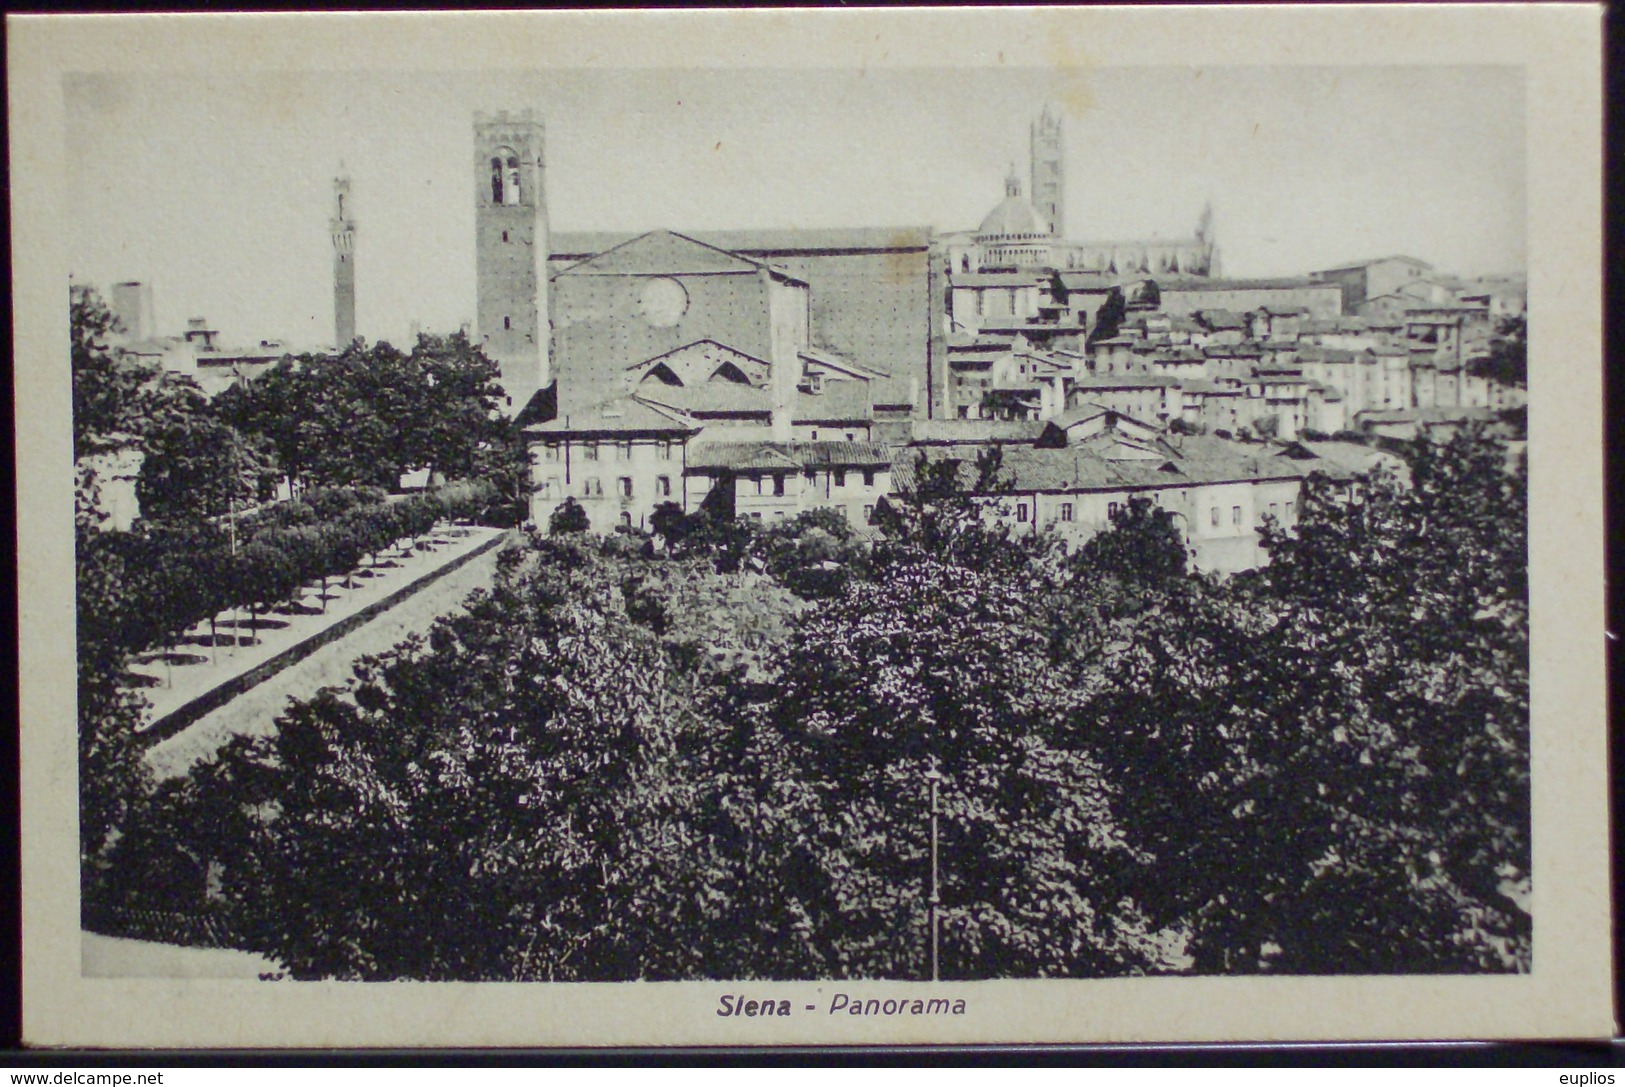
(663, 302)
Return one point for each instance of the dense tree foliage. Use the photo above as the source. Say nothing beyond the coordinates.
(1508, 359)
(1350, 730)
(109, 388)
(197, 466)
(713, 758)
(111, 775)
(178, 573)
(372, 413)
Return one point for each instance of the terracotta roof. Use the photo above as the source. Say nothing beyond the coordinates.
(618, 415)
(1377, 260)
(1098, 382)
(1340, 460)
(665, 252)
(974, 431)
(840, 362)
(997, 279)
(1087, 281)
(711, 398)
(1234, 351)
(1079, 469)
(1333, 325)
(794, 456)
(1218, 319)
(577, 243)
(710, 351)
(1326, 354)
(842, 401)
(1203, 283)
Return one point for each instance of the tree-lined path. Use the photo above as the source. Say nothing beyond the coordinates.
(255, 711)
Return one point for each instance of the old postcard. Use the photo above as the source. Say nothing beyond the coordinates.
(663, 528)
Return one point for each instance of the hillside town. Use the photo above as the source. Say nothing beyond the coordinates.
(769, 373)
(722, 544)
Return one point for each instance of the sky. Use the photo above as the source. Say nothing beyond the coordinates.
(217, 189)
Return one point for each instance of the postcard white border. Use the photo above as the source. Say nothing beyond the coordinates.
(1568, 994)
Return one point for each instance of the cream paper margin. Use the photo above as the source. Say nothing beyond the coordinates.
(1568, 994)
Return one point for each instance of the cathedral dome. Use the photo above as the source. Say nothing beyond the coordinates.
(1015, 216)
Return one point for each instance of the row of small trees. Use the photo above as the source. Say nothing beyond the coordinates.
(171, 576)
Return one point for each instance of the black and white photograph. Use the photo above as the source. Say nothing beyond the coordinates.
(837, 537)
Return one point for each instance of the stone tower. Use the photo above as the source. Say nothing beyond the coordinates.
(342, 228)
(511, 243)
(1049, 169)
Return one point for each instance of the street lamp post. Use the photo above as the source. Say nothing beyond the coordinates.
(935, 901)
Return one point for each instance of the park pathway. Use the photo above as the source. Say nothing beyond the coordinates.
(254, 712)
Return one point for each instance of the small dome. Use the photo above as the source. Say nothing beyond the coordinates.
(1015, 216)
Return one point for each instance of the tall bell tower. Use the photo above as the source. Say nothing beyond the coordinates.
(342, 229)
(1049, 169)
(511, 244)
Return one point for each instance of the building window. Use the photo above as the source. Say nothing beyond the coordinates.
(1021, 512)
(1111, 509)
(626, 518)
(760, 488)
(665, 451)
(1275, 511)
(1066, 511)
(626, 486)
(510, 195)
(590, 451)
(504, 235)
(1235, 516)
(623, 451)
(1214, 515)
(815, 436)
(663, 485)
(868, 513)
(840, 477)
(550, 452)
(592, 488)
(507, 322)
(496, 181)
(778, 486)
(868, 477)
(849, 435)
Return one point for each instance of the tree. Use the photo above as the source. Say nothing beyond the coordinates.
(107, 385)
(199, 467)
(932, 666)
(1508, 360)
(813, 553)
(945, 514)
(453, 406)
(372, 413)
(568, 517)
(1349, 730)
(503, 802)
(667, 521)
(1143, 543)
(112, 776)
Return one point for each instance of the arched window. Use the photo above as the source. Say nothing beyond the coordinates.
(511, 194)
(496, 181)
